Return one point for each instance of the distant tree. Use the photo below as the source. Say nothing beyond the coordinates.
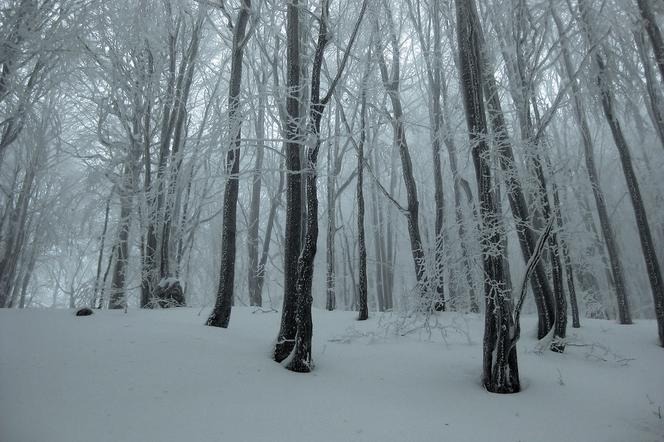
(608, 101)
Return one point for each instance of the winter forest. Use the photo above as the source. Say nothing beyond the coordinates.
(357, 189)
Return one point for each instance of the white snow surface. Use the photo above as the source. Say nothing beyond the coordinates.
(162, 375)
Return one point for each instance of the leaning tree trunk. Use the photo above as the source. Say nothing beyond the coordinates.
(589, 156)
(656, 40)
(500, 373)
(647, 245)
(221, 313)
(654, 92)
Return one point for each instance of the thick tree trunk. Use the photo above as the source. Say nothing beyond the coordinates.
(300, 359)
(293, 222)
(500, 374)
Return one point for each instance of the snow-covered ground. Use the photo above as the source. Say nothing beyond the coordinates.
(163, 376)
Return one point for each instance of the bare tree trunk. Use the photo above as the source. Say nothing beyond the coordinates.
(118, 297)
(647, 245)
(433, 68)
(221, 313)
(654, 94)
(300, 360)
(500, 373)
(517, 199)
(255, 297)
(362, 247)
(332, 171)
(95, 293)
(589, 156)
(276, 202)
(391, 84)
(286, 337)
(379, 242)
(656, 40)
(15, 237)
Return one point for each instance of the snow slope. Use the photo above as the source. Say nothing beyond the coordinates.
(163, 376)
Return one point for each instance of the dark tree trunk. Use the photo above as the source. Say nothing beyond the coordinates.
(300, 359)
(286, 336)
(361, 243)
(517, 200)
(439, 304)
(391, 83)
(221, 313)
(255, 297)
(332, 172)
(500, 373)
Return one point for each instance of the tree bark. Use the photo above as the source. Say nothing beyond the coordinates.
(293, 223)
(540, 285)
(361, 243)
(500, 373)
(221, 313)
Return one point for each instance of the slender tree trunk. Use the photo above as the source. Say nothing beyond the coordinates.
(118, 297)
(379, 242)
(654, 93)
(221, 313)
(391, 83)
(647, 245)
(95, 293)
(656, 40)
(332, 171)
(362, 247)
(255, 297)
(589, 156)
